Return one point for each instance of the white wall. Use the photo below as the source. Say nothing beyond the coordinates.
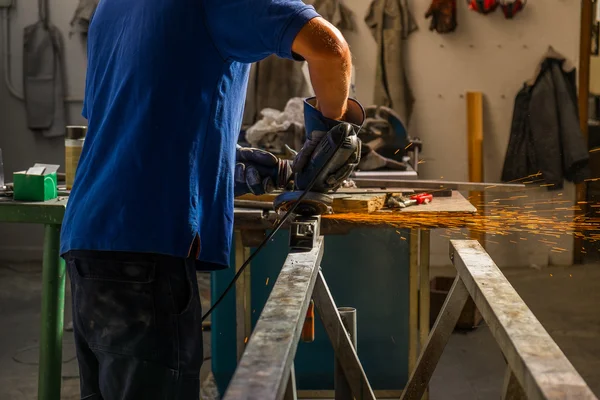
(487, 53)
(21, 148)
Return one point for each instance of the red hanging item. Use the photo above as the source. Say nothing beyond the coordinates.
(483, 6)
(512, 7)
(443, 16)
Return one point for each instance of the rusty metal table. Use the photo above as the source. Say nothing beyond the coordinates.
(250, 228)
(50, 214)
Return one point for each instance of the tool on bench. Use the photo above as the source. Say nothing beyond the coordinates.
(403, 202)
(386, 142)
(422, 198)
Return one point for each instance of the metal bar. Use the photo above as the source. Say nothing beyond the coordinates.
(424, 292)
(290, 391)
(539, 365)
(47, 212)
(433, 184)
(1, 170)
(440, 334)
(413, 299)
(341, 342)
(264, 370)
(340, 383)
(53, 307)
(409, 173)
(254, 204)
(241, 308)
(512, 388)
(424, 289)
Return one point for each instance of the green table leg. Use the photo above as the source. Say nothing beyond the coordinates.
(53, 306)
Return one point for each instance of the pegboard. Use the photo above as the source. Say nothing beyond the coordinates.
(486, 53)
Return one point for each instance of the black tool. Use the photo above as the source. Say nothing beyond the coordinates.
(334, 159)
(327, 157)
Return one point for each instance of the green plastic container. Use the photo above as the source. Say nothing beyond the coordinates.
(35, 187)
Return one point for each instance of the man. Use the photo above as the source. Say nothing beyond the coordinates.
(153, 197)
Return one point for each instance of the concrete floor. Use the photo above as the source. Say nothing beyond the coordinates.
(566, 300)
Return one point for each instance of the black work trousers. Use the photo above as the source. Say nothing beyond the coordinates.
(137, 325)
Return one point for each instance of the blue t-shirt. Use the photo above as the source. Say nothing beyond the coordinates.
(165, 90)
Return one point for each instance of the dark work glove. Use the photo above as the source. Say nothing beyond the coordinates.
(443, 16)
(317, 126)
(258, 171)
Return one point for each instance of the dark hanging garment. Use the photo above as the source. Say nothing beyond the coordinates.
(520, 157)
(43, 77)
(83, 16)
(391, 22)
(545, 135)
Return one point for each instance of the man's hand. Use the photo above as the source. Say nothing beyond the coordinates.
(258, 172)
(329, 64)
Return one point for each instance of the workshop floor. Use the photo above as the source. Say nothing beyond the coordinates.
(564, 299)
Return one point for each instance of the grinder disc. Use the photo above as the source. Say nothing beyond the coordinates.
(312, 204)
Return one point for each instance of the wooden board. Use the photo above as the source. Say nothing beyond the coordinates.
(342, 203)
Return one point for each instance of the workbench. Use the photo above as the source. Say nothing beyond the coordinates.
(381, 271)
(249, 223)
(50, 214)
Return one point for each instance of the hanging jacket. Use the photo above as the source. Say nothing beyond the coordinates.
(336, 12)
(391, 21)
(545, 135)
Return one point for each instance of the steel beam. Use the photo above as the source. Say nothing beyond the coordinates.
(539, 365)
(512, 389)
(340, 383)
(341, 342)
(440, 334)
(433, 184)
(265, 367)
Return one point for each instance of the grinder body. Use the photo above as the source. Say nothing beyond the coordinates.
(333, 160)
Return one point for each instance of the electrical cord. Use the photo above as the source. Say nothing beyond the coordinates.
(273, 232)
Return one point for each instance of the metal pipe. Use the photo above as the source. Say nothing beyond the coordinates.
(341, 385)
(6, 55)
(53, 307)
(387, 181)
(254, 204)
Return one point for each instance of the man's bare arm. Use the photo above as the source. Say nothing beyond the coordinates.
(330, 65)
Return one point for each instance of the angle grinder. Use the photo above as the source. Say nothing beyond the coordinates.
(332, 162)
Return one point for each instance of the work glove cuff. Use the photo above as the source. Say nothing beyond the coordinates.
(315, 121)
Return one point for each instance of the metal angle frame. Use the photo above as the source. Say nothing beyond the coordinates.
(537, 368)
(538, 364)
(266, 369)
(341, 342)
